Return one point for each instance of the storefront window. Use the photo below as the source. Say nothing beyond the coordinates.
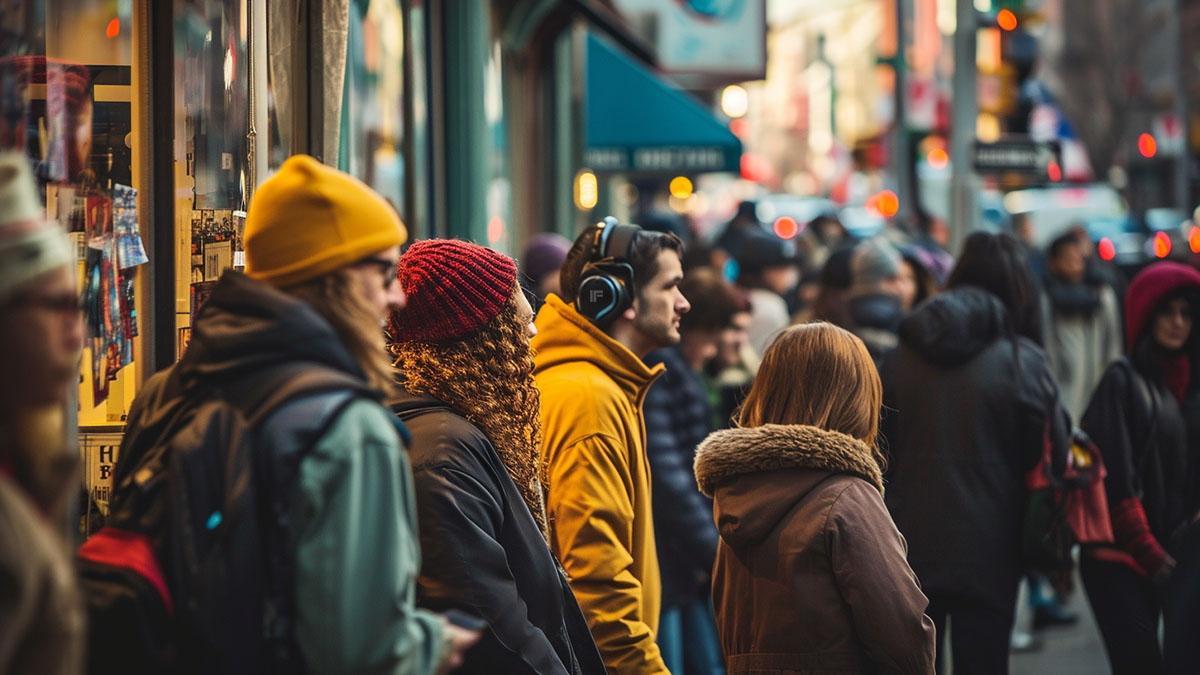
(419, 209)
(67, 77)
(282, 21)
(371, 125)
(499, 234)
(66, 80)
(478, 199)
(211, 170)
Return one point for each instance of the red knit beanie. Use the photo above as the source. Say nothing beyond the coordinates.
(454, 288)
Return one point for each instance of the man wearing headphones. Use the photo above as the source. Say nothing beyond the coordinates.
(620, 300)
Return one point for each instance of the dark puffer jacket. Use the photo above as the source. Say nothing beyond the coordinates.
(967, 408)
(483, 551)
(810, 574)
(1142, 430)
(678, 418)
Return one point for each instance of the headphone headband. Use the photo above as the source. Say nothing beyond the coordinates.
(614, 240)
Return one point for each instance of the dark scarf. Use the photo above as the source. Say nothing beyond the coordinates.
(1081, 299)
(1177, 373)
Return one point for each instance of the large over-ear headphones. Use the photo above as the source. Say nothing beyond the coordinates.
(606, 283)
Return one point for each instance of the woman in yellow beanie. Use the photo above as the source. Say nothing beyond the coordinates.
(321, 251)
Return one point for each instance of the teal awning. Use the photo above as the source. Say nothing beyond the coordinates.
(638, 123)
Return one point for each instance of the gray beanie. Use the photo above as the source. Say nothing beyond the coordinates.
(30, 245)
(873, 262)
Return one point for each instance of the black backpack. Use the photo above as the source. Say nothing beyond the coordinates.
(191, 573)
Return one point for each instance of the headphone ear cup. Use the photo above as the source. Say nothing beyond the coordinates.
(605, 291)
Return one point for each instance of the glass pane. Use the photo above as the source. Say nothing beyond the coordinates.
(371, 131)
(499, 187)
(66, 80)
(211, 121)
(282, 22)
(66, 101)
(419, 204)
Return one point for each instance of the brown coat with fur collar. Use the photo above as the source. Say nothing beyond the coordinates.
(811, 575)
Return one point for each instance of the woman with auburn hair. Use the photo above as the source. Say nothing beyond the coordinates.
(810, 573)
(469, 402)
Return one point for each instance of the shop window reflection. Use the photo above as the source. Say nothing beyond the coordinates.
(211, 170)
(66, 102)
(371, 127)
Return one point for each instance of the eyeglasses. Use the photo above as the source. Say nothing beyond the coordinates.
(63, 303)
(387, 266)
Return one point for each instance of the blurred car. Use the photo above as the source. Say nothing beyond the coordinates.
(1052, 211)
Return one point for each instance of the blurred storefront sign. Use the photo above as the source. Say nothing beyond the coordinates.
(1017, 155)
(703, 41)
(98, 454)
(658, 159)
(638, 123)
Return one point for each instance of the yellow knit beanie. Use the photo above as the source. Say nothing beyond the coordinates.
(309, 219)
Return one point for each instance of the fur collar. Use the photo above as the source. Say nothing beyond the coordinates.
(728, 454)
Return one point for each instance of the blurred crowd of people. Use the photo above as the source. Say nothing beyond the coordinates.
(634, 452)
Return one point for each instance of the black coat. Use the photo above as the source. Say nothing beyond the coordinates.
(678, 417)
(1142, 433)
(483, 554)
(967, 408)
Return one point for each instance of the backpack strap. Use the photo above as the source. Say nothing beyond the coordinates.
(262, 393)
(286, 435)
(1148, 394)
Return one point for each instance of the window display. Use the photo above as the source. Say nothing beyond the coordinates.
(211, 148)
(65, 100)
(371, 132)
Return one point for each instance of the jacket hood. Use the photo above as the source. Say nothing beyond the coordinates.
(740, 469)
(949, 329)
(1150, 287)
(247, 325)
(566, 336)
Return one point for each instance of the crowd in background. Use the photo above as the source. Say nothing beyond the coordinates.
(648, 453)
(986, 361)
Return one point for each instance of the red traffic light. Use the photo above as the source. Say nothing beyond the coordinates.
(786, 227)
(885, 203)
(1162, 244)
(1147, 145)
(1006, 19)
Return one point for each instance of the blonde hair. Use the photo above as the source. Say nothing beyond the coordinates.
(338, 298)
(487, 376)
(820, 375)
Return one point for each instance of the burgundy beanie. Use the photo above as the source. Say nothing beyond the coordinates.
(454, 288)
(1148, 289)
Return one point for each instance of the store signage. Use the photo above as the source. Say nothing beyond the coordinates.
(98, 452)
(681, 159)
(722, 39)
(1017, 155)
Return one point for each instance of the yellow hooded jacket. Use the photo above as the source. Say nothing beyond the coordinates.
(594, 441)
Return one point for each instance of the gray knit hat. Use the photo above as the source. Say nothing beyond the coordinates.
(873, 262)
(30, 245)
